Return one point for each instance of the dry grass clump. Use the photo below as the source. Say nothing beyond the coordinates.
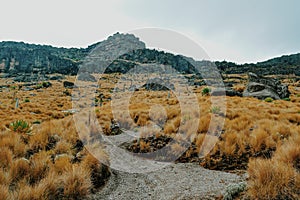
(77, 182)
(279, 177)
(50, 164)
(4, 191)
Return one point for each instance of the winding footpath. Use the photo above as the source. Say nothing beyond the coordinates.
(176, 181)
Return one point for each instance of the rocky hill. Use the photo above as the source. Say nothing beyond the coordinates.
(18, 59)
(287, 64)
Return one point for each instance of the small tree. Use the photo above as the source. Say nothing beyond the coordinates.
(205, 91)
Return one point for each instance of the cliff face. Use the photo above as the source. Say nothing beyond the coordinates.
(20, 59)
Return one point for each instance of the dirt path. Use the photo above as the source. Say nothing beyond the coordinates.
(176, 181)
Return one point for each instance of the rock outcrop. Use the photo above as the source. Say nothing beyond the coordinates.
(158, 84)
(226, 91)
(262, 87)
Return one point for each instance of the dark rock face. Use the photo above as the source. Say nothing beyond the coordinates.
(146, 56)
(261, 88)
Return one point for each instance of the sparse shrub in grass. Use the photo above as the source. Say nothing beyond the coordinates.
(205, 91)
(269, 99)
(20, 126)
(286, 99)
(233, 190)
(26, 100)
(12, 87)
(39, 86)
(215, 110)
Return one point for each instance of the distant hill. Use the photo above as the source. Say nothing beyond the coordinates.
(19, 59)
(288, 64)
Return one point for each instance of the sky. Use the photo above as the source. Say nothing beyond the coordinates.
(234, 30)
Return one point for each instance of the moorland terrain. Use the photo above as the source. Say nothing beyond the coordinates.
(43, 157)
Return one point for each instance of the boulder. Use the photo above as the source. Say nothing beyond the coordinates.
(86, 77)
(158, 84)
(68, 84)
(262, 87)
(227, 91)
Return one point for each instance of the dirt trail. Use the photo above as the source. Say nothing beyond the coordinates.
(176, 181)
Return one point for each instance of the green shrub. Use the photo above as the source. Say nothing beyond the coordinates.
(205, 91)
(20, 126)
(12, 87)
(269, 99)
(233, 190)
(286, 99)
(38, 86)
(215, 110)
(26, 100)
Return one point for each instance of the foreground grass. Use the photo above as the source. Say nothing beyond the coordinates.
(260, 137)
(48, 163)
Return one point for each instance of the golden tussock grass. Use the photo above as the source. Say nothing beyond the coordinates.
(77, 182)
(6, 156)
(271, 179)
(253, 128)
(19, 169)
(4, 191)
(279, 177)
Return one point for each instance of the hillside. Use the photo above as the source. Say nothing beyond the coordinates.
(28, 62)
(288, 64)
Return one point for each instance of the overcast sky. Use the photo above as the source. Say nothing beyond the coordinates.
(234, 30)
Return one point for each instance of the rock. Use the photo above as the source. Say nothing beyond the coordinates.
(262, 87)
(46, 84)
(227, 91)
(158, 84)
(68, 84)
(56, 78)
(86, 77)
(28, 89)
